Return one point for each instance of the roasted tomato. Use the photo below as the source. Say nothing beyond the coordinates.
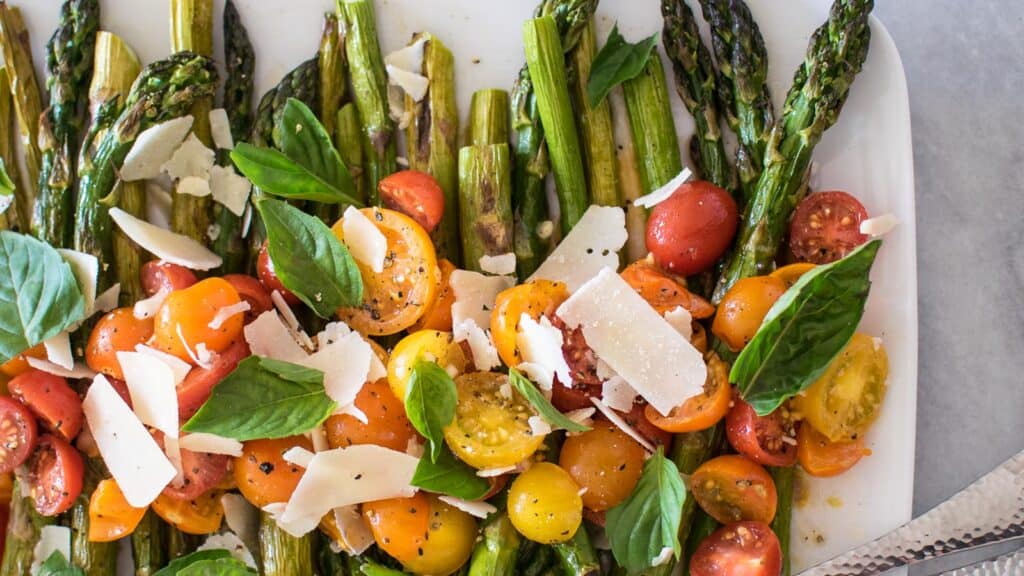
(203, 472)
(740, 549)
(195, 389)
(253, 292)
(819, 456)
(732, 488)
(544, 504)
(768, 440)
(415, 194)
(744, 307)
(702, 411)
(535, 299)
(605, 462)
(203, 515)
(55, 473)
(262, 474)
(386, 423)
(111, 517)
(17, 434)
(54, 403)
(689, 232)
(439, 312)
(182, 323)
(429, 345)
(117, 331)
(157, 275)
(425, 534)
(826, 227)
(19, 364)
(791, 273)
(269, 279)
(663, 292)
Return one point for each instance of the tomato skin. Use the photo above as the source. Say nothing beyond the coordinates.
(415, 194)
(741, 549)
(436, 346)
(55, 473)
(399, 525)
(262, 474)
(575, 397)
(761, 438)
(826, 227)
(54, 403)
(604, 461)
(18, 434)
(544, 504)
(689, 232)
(699, 412)
(110, 515)
(438, 315)
(535, 298)
(203, 472)
(19, 364)
(269, 279)
(387, 423)
(186, 315)
(252, 291)
(663, 292)
(732, 488)
(821, 457)
(195, 389)
(158, 275)
(790, 273)
(117, 331)
(638, 420)
(744, 307)
(200, 516)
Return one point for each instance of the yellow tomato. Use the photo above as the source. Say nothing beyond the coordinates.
(200, 516)
(423, 533)
(534, 299)
(544, 504)
(439, 312)
(791, 273)
(744, 307)
(110, 515)
(428, 345)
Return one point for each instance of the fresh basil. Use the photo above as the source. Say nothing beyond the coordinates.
(617, 62)
(218, 567)
(309, 259)
(648, 521)
(451, 476)
(178, 564)
(6, 185)
(549, 413)
(430, 401)
(39, 296)
(264, 398)
(804, 330)
(58, 565)
(371, 568)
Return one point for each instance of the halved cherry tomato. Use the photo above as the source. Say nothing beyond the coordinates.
(55, 473)
(535, 299)
(791, 273)
(398, 297)
(732, 488)
(699, 339)
(439, 312)
(544, 504)
(195, 388)
(19, 364)
(821, 457)
(203, 472)
(689, 232)
(605, 462)
(5, 518)
(740, 549)
(262, 474)
(826, 227)
(574, 397)
(579, 356)
(663, 292)
(117, 331)
(269, 279)
(429, 345)
(253, 292)
(17, 433)
(744, 307)
(386, 424)
(702, 411)
(639, 422)
(111, 517)
(200, 516)
(183, 320)
(399, 525)
(158, 275)
(425, 534)
(768, 440)
(415, 194)
(49, 397)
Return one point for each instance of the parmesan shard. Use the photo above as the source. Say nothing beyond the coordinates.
(332, 332)
(581, 416)
(409, 57)
(152, 387)
(172, 449)
(241, 517)
(58, 350)
(663, 557)
(635, 341)
(164, 244)
(86, 269)
(474, 296)
(681, 319)
(479, 509)
(353, 411)
(364, 240)
(108, 300)
(617, 394)
(227, 312)
(153, 148)
(193, 186)
(51, 539)
(220, 129)
(592, 245)
(540, 346)
(495, 472)
(291, 320)
(621, 424)
(879, 225)
(191, 160)
(147, 307)
(158, 205)
(179, 367)
(77, 372)
(413, 84)
(211, 444)
(230, 189)
(345, 364)
(356, 536)
(502, 264)
(199, 355)
(538, 426)
(298, 456)
(485, 355)
(665, 192)
(232, 543)
(268, 337)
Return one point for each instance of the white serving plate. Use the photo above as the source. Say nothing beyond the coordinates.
(867, 153)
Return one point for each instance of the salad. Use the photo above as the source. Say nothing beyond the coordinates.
(341, 330)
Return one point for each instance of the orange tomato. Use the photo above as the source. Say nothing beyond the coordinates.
(19, 365)
(701, 411)
(439, 312)
(535, 298)
(386, 424)
(415, 194)
(819, 456)
(791, 273)
(744, 307)
(110, 515)
(399, 525)
(186, 315)
(664, 292)
(262, 474)
(200, 516)
(732, 488)
(116, 331)
(604, 461)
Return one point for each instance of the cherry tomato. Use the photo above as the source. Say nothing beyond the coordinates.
(269, 279)
(183, 320)
(637, 419)
(826, 227)
(580, 357)
(791, 273)
(158, 275)
(732, 488)
(702, 411)
(111, 517)
(5, 519)
(117, 331)
(574, 397)
(535, 298)
(744, 307)
(689, 232)
(387, 424)
(439, 312)
(605, 462)
(544, 504)
(54, 403)
(768, 440)
(19, 364)
(423, 533)
(821, 457)
(17, 433)
(429, 345)
(847, 398)
(200, 516)
(262, 474)
(740, 549)
(195, 389)
(253, 292)
(398, 297)
(55, 473)
(415, 194)
(663, 292)
(203, 472)
(6, 488)
(399, 525)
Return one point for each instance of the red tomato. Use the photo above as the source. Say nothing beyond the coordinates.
(157, 275)
(826, 227)
(415, 194)
(768, 440)
(5, 516)
(253, 292)
(638, 420)
(269, 279)
(196, 387)
(122, 390)
(578, 355)
(689, 232)
(731, 488)
(202, 473)
(17, 433)
(117, 331)
(740, 549)
(55, 474)
(50, 398)
(574, 397)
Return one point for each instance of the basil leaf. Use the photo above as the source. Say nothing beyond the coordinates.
(371, 568)
(617, 62)
(309, 260)
(39, 296)
(306, 142)
(58, 565)
(176, 565)
(451, 476)
(275, 173)
(218, 567)
(6, 185)
(549, 413)
(648, 521)
(264, 398)
(430, 401)
(804, 330)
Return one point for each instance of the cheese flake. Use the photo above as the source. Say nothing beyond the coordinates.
(291, 320)
(538, 426)
(298, 456)
(108, 300)
(220, 129)
(665, 192)
(230, 189)
(158, 205)
(268, 337)
(172, 449)
(540, 346)
(164, 244)
(147, 307)
(154, 147)
(663, 557)
(616, 393)
(485, 355)
(413, 84)
(681, 319)
(345, 364)
(227, 312)
(621, 424)
(191, 160)
(593, 244)
(211, 444)
(409, 57)
(232, 543)
(356, 536)
(86, 269)
(179, 367)
(152, 387)
(362, 237)
(241, 517)
(58, 350)
(193, 186)
(478, 509)
(51, 539)
(474, 296)
(502, 264)
(879, 225)
(495, 472)
(77, 372)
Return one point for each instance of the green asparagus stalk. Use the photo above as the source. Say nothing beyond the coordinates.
(179, 543)
(332, 69)
(94, 558)
(495, 554)
(488, 117)
(369, 91)
(541, 561)
(433, 136)
(283, 554)
(347, 136)
(148, 545)
(836, 54)
(9, 217)
(702, 526)
(485, 202)
(782, 524)
(23, 529)
(577, 556)
(650, 120)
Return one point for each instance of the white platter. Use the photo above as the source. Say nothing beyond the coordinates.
(867, 153)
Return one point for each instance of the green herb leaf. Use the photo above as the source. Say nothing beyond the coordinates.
(58, 565)
(175, 566)
(6, 185)
(305, 141)
(648, 521)
(371, 568)
(39, 296)
(451, 476)
(275, 173)
(309, 260)
(617, 62)
(430, 401)
(804, 330)
(218, 567)
(264, 398)
(549, 413)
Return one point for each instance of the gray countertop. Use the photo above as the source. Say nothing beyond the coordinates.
(965, 69)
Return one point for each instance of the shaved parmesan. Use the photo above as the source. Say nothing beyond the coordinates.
(495, 472)
(410, 57)
(158, 205)
(332, 332)
(193, 186)
(78, 371)
(86, 269)
(366, 242)
(220, 129)
(211, 444)
(503, 264)
(413, 84)
(538, 426)
(146, 308)
(475, 295)
(51, 539)
(232, 543)
(663, 557)
(108, 300)
(298, 456)
(627, 333)
(879, 225)
(540, 346)
(200, 356)
(478, 509)
(227, 312)
(616, 393)
(164, 244)
(230, 189)
(268, 337)
(291, 320)
(621, 424)
(665, 192)
(377, 369)
(130, 453)
(353, 411)
(545, 229)
(172, 449)
(191, 160)
(58, 350)
(396, 107)
(485, 355)
(581, 416)
(681, 319)
(153, 148)
(179, 367)
(151, 384)
(241, 517)
(413, 447)
(342, 380)
(593, 244)
(356, 536)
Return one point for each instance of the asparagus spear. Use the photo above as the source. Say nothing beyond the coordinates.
(347, 135)
(836, 54)
(496, 551)
(782, 523)
(24, 87)
(283, 554)
(179, 543)
(148, 548)
(703, 526)
(9, 217)
(94, 558)
(577, 556)
(332, 69)
(488, 117)
(650, 120)
(23, 528)
(369, 91)
(485, 203)
(433, 137)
